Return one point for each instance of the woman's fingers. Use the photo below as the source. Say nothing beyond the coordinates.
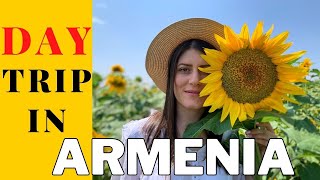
(266, 125)
(260, 136)
(264, 132)
(256, 131)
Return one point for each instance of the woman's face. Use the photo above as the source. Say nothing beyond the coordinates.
(186, 85)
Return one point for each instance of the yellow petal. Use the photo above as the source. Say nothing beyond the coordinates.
(249, 109)
(224, 47)
(294, 72)
(256, 35)
(209, 69)
(226, 109)
(258, 31)
(287, 68)
(217, 55)
(261, 105)
(275, 104)
(232, 38)
(210, 87)
(261, 41)
(219, 101)
(244, 34)
(211, 61)
(234, 112)
(213, 77)
(278, 50)
(288, 57)
(288, 88)
(209, 100)
(242, 114)
(292, 77)
(219, 39)
(279, 39)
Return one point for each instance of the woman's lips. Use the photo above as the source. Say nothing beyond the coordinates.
(191, 92)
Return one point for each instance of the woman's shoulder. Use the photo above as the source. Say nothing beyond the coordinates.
(133, 129)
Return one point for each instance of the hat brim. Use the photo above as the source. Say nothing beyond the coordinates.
(168, 39)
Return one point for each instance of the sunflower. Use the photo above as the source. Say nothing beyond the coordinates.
(116, 83)
(249, 74)
(306, 64)
(117, 68)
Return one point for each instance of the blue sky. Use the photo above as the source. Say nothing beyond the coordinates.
(123, 29)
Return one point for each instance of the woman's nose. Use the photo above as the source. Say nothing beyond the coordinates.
(195, 78)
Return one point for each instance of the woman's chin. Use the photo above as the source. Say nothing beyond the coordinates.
(194, 106)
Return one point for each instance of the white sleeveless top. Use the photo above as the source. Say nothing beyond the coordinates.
(133, 129)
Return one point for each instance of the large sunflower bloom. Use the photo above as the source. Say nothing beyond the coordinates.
(250, 73)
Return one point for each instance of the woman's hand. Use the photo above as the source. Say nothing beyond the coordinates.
(262, 135)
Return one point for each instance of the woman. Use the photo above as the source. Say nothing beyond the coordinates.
(172, 62)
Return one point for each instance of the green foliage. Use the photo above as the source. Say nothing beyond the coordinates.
(96, 80)
(112, 110)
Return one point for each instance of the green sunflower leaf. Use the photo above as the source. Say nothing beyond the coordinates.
(276, 115)
(306, 124)
(309, 171)
(218, 127)
(317, 71)
(194, 130)
(305, 141)
(211, 123)
(303, 99)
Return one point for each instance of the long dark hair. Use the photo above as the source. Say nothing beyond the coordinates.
(166, 119)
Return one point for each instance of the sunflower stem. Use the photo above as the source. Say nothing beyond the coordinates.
(258, 160)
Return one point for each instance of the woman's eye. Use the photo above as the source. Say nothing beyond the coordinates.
(183, 70)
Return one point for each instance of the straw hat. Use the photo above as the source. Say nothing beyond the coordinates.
(168, 39)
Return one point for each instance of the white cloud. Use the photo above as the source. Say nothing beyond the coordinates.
(97, 20)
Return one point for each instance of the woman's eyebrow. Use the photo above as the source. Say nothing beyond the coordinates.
(189, 65)
(183, 64)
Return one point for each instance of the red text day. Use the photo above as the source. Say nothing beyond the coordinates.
(9, 42)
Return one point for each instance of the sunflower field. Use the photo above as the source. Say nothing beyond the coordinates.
(117, 99)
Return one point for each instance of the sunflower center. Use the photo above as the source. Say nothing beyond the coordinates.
(249, 76)
(118, 83)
